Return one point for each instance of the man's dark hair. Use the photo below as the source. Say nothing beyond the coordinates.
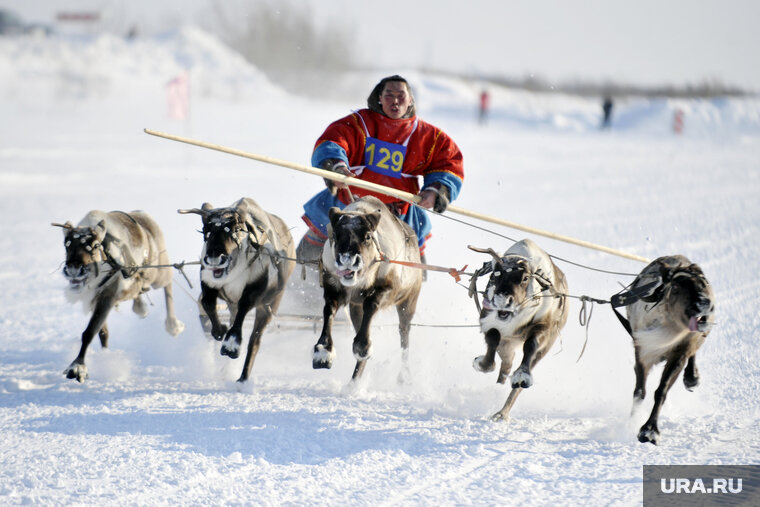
(373, 101)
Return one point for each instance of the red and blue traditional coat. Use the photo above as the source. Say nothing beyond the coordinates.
(389, 152)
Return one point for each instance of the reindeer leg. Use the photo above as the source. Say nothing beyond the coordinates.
(362, 347)
(77, 369)
(263, 317)
(173, 325)
(357, 315)
(324, 354)
(691, 374)
(522, 377)
(358, 370)
(234, 336)
(405, 312)
(487, 362)
(208, 302)
(503, 414)
(640, 390)
(649, 431)
(103, 335)
(506, 352)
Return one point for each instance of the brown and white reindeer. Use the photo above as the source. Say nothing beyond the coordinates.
(353, 274)
(247, 257)
(670, 308)
(524, 307)
(104, 256)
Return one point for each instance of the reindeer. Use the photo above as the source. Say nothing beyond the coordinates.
(353, 273)
(523, 306)
(670, 309)
(247, 257)
(105, 255)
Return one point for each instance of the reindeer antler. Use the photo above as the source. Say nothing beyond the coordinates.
(67, 225)
(490, 251)
(201, 212)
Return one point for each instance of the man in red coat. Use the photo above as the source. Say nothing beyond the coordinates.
(389, 145)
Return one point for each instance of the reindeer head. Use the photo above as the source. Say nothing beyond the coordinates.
(225, 235)
(690, 298)
(84, 250)
(508, 288)
(352, 244)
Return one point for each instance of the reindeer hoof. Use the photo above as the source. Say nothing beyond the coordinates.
(139, 307)
(650, 436)
(231, 353)
(404, 376)
(521, 379)
(480, 364)
(362, 353)
(219, 336)
(690, 382)
(500, 417)
(322, 358)
(77, 371)
(230, 347)
(174, 326)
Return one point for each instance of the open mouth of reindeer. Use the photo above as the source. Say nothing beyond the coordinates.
(347, 267)
(698, 322)
(346, 274)
(77, 277)
(219, 266)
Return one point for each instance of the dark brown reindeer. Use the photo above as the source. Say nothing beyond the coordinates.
(104, 256)
(353, 274)
(670, 308)
(247, 257)
(524, 307)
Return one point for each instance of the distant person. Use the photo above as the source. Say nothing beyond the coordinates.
(387, 144)
(607, 112)
(485, 100)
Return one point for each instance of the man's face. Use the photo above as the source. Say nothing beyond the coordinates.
(395, 99)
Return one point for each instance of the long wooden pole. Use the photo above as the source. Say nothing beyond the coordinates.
(400, 194)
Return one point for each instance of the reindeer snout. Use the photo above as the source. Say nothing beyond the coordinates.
(503, 301)
(216, 260)
(349, 261)
(74, 272)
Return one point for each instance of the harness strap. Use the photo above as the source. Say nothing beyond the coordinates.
(628, 297)
(626, 324)
(418, 265)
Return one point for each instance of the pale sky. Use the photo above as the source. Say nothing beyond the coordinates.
(639, 41)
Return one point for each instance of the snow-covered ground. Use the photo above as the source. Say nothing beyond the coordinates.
(161, 420)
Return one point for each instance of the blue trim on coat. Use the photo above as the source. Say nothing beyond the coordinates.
(328, 149)
(448, 179)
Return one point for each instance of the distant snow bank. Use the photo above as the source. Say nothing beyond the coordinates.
(59, 68)
(106, 66)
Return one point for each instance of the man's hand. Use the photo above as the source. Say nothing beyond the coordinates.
(337, 166)
(435, 196)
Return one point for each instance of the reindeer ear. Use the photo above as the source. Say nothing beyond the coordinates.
(334, 214)
(99, 230)
(373, 219)
(207, 206)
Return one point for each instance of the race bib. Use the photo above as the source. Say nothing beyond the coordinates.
(383, 157)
